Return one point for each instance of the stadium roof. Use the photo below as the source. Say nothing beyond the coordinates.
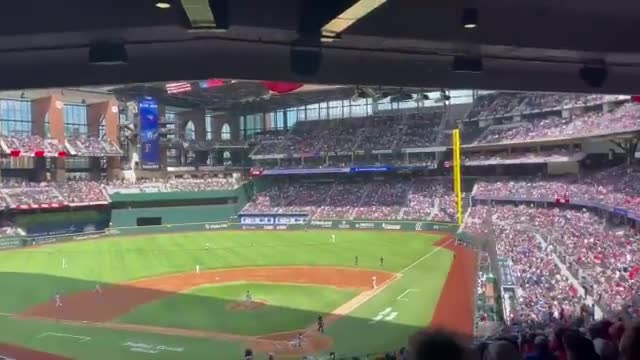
(243, 96)
(524, 45)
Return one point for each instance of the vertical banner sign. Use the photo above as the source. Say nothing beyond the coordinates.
(149, 138)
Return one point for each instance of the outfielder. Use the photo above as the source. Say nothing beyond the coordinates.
(64, 263)
(333, 238)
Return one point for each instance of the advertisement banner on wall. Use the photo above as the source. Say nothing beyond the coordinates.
(149, 133)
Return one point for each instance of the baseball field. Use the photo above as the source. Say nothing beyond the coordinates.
(209, 295)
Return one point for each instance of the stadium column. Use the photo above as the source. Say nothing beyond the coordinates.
(197, 117)
(104, 113)
(48, 122)
(233, 121)
(162, 113)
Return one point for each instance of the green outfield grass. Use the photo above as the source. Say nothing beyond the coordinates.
(33, 276)
(290, 307)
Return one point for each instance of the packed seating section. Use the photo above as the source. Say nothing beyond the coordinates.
(623, 118)
(615, 187)
(398, 199)
(383, 132)
(91, 146)
(20, 194)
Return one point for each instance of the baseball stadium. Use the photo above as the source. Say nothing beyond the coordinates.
(357, 180)
(144, 226)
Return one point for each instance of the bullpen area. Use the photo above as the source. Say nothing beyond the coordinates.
(207, 295)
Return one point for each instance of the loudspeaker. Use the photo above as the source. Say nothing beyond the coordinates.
(305, 61)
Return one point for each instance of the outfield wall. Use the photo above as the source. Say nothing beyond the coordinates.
(181, 216)
(315, 224)
(174, 215)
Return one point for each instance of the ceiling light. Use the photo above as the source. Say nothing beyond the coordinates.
(163, 4)
(357, 11)
(470, 18)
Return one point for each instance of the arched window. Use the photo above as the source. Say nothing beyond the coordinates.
(190, 131)
(225, 132)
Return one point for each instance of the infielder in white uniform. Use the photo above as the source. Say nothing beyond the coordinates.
(247, 297)
(197, 269)
(98, 289)
(58, 300)
(373, 280)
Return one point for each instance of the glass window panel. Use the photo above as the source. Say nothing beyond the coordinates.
(313, 112)
(15, 117)
(75, 120)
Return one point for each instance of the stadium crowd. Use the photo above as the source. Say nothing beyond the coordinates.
(510, 103)
(383, 132)
(173, 184)
(623, 118)
(409, 199)
(28, 145)
(92, 146)
(608, 258)
(615, 187)
(22, 194)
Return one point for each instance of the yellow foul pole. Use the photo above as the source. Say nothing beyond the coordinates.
(457, 175)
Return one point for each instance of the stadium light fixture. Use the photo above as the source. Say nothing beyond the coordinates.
(332, 30)
(470, 18)
(163, 4)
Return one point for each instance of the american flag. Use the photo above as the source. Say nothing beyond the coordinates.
(178, 87)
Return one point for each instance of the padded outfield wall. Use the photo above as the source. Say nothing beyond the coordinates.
(314, 224)
(172, 208)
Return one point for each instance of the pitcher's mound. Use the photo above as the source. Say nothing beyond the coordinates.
(246, 305)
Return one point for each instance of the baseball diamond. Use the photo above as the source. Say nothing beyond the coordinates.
(255, 289)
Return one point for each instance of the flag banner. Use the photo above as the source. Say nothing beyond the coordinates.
(178, 87)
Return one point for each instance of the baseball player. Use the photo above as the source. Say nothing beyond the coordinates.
(320, 324)
(58, 300)
(247, 297)
(374, 282)
(64, 263)
(206, 246)
(98, 289)
(381, 261)
(356, 260)
(333, 238)
(298, 340)
(197, 269)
